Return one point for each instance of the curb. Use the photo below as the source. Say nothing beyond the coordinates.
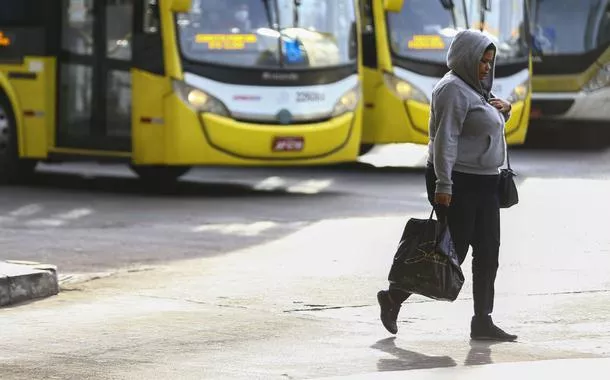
(25, 280)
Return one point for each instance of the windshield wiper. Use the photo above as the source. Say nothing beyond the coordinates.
(465, 8)
(269, 15)
(275, 26)
(295, 13)
(537, 53)
(450, 6)
(447, 4)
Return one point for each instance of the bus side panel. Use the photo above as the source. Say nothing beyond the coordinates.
(385, 117)
(51, 108)
(517, 125)
(518, 135)
(370, 122)
(30, 87)
(149, 120)
(385, 120)
(419, 120)
(185, 141)
(165, 131)
(173, 67)
(7, 89)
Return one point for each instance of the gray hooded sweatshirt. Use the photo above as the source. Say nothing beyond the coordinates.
(466, 132)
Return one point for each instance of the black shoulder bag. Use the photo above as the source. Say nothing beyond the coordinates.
(507, 190)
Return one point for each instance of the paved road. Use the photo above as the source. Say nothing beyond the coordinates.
(88, 218)
(282, 268)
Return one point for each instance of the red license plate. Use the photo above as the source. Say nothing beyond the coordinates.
(288, 144)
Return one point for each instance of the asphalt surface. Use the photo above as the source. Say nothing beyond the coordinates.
(85, 217)
(272, 273)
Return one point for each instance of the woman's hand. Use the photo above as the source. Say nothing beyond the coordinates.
(501, 105)
(442, 199)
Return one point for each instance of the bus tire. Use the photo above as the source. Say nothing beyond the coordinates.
(159, 174)
(13, 169)
(365, 148)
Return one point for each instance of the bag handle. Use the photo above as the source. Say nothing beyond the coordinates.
(507, 153)
(443, 224)
(443, 221)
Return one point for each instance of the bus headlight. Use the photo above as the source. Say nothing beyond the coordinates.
(198, 100)
(519, 93)
(348, 102)
(404, 90)
(599, 81)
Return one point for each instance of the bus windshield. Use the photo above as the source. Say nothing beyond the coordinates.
(570, 27)
(424, 29)
(270, 33)
(504, 24)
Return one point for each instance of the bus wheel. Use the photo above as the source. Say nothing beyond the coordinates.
(12, 168)
(365, 148)
(159, 174)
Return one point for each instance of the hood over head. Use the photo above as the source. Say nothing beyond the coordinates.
(465, 53)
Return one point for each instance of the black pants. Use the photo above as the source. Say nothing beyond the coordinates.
(474, 220)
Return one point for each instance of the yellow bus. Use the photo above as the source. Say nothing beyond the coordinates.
(163, 85)
(571, 81)
(506, 22)
(404, 55)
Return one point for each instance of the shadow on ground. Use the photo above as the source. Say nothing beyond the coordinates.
(407, 359)
(134, 186)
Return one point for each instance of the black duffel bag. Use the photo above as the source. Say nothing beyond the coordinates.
(425, 262)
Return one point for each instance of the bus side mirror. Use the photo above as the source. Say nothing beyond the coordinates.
(181, 6)
(393, 5)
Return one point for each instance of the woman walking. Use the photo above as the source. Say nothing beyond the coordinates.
(466, 150)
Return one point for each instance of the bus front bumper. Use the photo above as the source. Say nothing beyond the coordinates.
(326, 141)
(190, 138)
(516, 127)
(573, 107)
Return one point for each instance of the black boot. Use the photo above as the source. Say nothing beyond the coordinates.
(389, 311)
(483, 328)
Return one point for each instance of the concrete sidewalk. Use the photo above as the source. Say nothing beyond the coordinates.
(304, 307)
(545, 369)
(23, 281)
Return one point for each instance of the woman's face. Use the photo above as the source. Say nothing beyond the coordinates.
(485, 64)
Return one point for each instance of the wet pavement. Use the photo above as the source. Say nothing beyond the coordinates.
(301, 304)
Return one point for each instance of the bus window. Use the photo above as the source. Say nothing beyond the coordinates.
(504, 24)
(151, 17)
(119, 37)
(119, 29)
(77, 26)
(269, 33)
(424, 30)
(565, 27)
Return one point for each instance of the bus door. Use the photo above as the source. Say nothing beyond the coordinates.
(94, 81)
